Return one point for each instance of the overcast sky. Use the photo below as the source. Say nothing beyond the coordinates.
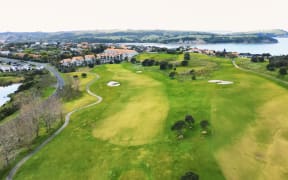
(205, 15)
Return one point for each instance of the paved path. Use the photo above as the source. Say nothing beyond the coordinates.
(260, 74)
(67, 120)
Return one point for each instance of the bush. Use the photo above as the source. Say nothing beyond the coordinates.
(187, 56)
(193, 77)
(90, 65)
(75, 76)
(83, 75)
(204, 124)
(184, 63)
(172, 74)
(190, 176)
(270, 67)
(283, 71)
(163, 65)
(170, 66)
(148, 62)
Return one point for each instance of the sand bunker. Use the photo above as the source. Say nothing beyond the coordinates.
(215, 81)
(138, 72)
(113, 84)
(225, 82)
(221, 82)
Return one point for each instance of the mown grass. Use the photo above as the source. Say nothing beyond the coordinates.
(160, 57)
(235, 113)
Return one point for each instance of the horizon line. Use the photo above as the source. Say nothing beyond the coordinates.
(132, 29)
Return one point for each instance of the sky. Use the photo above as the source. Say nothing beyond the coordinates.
(197, 15)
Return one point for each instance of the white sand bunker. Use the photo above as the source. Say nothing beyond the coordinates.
(113, 83)
(215, 81)
(221, 82)
(138, 72)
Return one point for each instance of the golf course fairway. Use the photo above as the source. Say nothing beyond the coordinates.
(128, 135)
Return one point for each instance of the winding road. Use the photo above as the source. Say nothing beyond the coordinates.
(60, 84)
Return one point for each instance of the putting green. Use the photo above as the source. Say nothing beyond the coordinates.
(142, 116)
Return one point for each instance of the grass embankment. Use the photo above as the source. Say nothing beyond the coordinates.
(128, 135)
(160, 56)
(260, 67)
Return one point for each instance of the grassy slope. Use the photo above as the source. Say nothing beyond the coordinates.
(260, 67)
(235, 112)
(160, 56)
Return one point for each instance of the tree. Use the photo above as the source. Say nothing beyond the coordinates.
(184, 63)
(75, 82)
(172, 74)
(283, 71)
(257, 58)
(204, 124)
(163, 65)
(90, 65)
(193, 77)
(170, 66)
(83, 75)
(178, 126)
(33, 110)
(52, 112)
(190, 176)
(189, 120)
(148, 62)
(187, 56)
(133, 60)
(270, 67)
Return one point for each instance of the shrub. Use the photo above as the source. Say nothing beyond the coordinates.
(187, 56)
(163, 65)
(90, 65)
(75, 76)
(184, 63)
(190, 176)
(204, 124)
(283, 71)
(172, 74)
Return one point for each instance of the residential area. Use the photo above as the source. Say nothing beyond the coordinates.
(71, 54)
(6, 65)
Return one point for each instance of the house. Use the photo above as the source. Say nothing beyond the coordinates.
(109, 57)
(66, 62)
(4, 53)
(34, 56)
(20, 55)
(90, 59)
(125, 53)
(78, 60)
(116, 55)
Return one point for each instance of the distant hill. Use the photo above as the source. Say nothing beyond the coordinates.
(270, 33)
(148, 36)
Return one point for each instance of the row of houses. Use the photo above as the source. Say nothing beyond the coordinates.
(18, 67)
(109, 55)
(211, 52)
